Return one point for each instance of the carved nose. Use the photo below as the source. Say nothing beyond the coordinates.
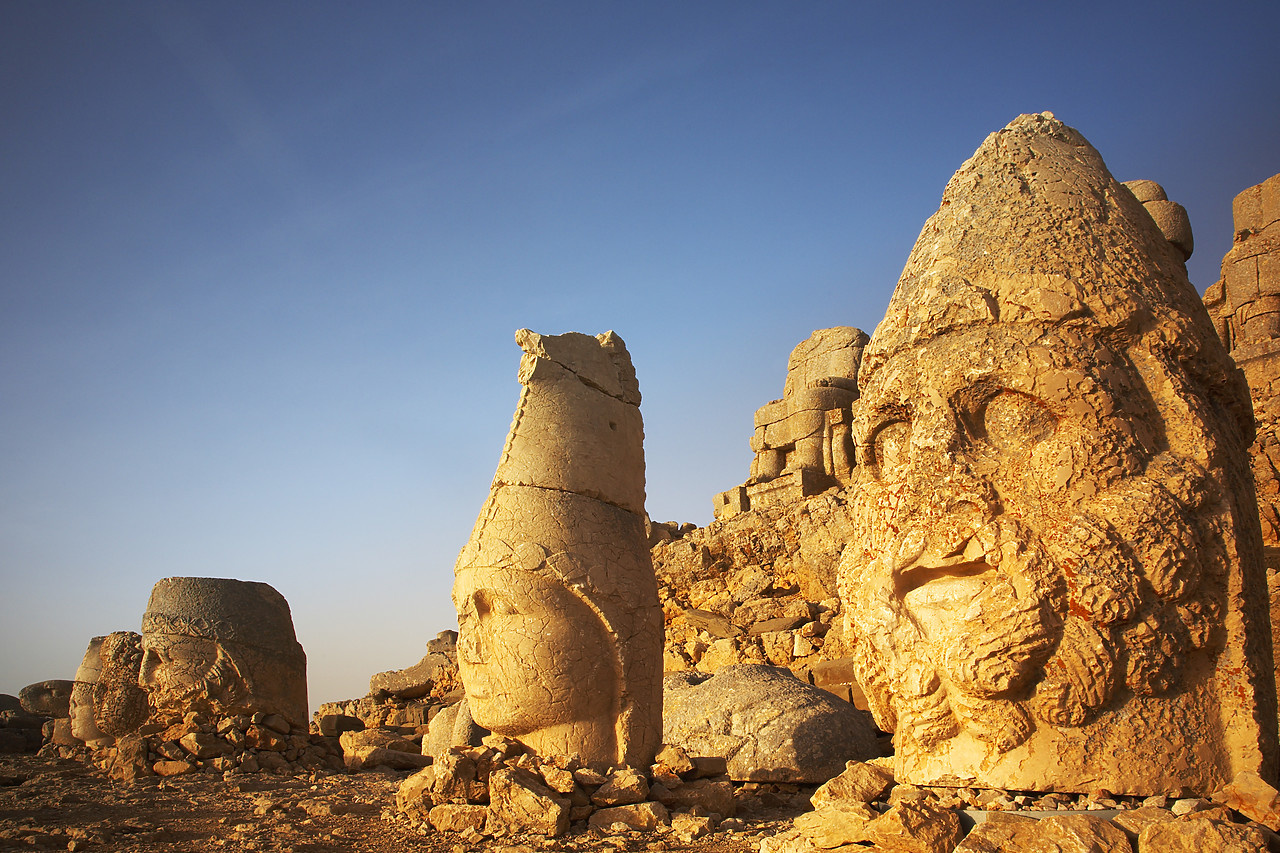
(469, 647)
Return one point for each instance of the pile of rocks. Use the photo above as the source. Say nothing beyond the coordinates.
(758, 587)
(229, 745)
(23, 725)
(401, 701)
(863, 806)
(499, 789)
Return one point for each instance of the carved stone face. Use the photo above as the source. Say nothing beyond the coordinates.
(1054, 581)
(81, 713)
(1018, 566)
(221, 646)
(532, 655)
(183, 673)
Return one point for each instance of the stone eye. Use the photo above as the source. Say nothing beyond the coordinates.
(492, 603)
(891, 445)
(1015, 422)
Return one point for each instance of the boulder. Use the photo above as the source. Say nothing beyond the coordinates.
(768, 725)
(1076, 833)
(47, 698)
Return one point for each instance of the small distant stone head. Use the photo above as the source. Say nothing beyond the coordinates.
(222, 647)
(80, 707)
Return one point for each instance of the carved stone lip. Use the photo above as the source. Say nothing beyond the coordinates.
(918, 575)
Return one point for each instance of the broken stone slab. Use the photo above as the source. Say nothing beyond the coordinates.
(836, 824)
(623, 787)
(368, 757)
(1200, 835)
(458, 817)
(335, 725)
(642, 817)
(452, 726)
(767, 724)
(711, 796)
(918, 827)
(859, 782)
(1253, 797)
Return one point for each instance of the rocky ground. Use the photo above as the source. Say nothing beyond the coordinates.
(60, 804)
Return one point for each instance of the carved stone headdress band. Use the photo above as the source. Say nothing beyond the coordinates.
(222, 609)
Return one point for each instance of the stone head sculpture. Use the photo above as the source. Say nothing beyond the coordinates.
(560, 630)
(106, 701)
(1055, 581)
(83, 725)
(222, 646)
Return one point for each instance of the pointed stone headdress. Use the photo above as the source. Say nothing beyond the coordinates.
(1034, 229)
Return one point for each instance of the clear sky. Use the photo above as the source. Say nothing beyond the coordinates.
(261, 263)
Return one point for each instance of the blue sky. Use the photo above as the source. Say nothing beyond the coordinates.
(261, 264)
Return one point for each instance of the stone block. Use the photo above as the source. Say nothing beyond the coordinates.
(519, 803)
(1246, 210)
(455, 817)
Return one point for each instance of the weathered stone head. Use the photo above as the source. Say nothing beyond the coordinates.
(106, 701)
(80, 708)
(222, 646)
(1056, 582)
(119, 704)
(560, 631)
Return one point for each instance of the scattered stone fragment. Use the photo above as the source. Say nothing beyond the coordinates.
(519, 802)
(859, 782)
(458, 817)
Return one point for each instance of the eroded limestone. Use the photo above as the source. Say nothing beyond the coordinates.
(560, 632)
(223, 647)
(1057, 581)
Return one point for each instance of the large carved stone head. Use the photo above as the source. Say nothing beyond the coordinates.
(1056, 578)
(222, 646)
(560, 631)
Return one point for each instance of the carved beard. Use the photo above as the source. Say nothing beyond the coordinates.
(220, 688)
(1049, 629)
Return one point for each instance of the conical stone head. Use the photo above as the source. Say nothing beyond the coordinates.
(1056, 582)
(560, 628)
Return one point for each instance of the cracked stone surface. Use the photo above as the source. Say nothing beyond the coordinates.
(560, 630)
(1059, 561)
